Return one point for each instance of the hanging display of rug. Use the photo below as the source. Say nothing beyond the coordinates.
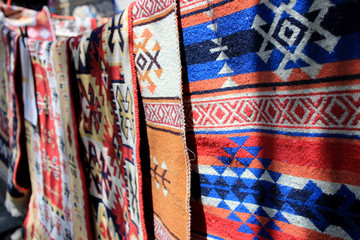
(109, 129)
(13, 161)
(104, 8)
(58, 207)
(247, 113)
(67, 26)
(158, 68)
(272, 106)
(121, 4)
(4, 105)
(38, 24)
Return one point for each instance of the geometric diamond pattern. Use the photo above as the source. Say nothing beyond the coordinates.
(146, 8)
(320, 110)
(264, 196)
(163, 114)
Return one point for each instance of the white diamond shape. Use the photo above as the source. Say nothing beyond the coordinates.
(298, 103)
(277, 112)
(339, 103)
(253, 111)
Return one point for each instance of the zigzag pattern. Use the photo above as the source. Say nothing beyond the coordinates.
(147, 8)
(322, 110)
(163, 114)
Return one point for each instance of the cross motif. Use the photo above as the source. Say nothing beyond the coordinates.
(290, 32)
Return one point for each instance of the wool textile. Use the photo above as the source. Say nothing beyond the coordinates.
(158, 68)
(4, 101)
(13, 160)
(58, 207)
(67, 26)
(247, 113)
(104, 8)
(272, 106)
(109, 129)
(38, 23)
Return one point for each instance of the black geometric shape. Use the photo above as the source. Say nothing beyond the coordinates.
(202, 178)
(340, 19)
(330, 201)
(261, 195)
(316, 37)
(269, 202)
(269, 46)
(335, 219)
(240, 195)
(221, 182)
(236, 189)
(311, 16)
(304, 211)
(222, 192)
(141, 61)
(239, 184)
(293, 22)
(265, 162)
(300, 194)
(113, 27)
(275, 191)
(205, 191)
(355, 207)
(153, 60)
(288, 32)
(267, 185)
(266, 27)
(259, 187)
(257, 172)
(264, 233)
(260, 212)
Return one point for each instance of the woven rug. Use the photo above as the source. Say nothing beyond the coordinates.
(272, 102)
(67, 26)
(109, 129)
(58, 207)
(4, 101)
(13, 160)
(38, 23)
(66, 7)
(158, 68)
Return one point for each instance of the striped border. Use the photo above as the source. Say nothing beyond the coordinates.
(136, 115)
